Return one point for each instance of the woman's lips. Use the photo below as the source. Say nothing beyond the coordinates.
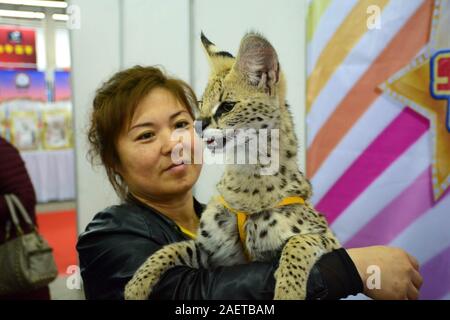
(176, 168)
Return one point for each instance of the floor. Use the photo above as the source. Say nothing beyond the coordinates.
(64, 287)
(55, 206)
(67, 288)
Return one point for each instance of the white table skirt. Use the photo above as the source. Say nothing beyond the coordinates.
(52, 174)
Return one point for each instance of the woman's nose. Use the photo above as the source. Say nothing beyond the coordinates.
(169, 142)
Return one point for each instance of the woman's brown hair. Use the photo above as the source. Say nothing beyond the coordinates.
(114, 105)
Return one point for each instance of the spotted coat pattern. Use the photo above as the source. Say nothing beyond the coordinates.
(249, 92)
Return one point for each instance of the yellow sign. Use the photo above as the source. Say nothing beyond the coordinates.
(16, 49)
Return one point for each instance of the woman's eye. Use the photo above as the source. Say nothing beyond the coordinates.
(181, 124)
(146, 136)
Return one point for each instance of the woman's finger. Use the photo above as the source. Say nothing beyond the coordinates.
(413, 293)
(416, 279)
(413, 261)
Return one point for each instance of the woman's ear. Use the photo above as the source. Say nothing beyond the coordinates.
(117, 167)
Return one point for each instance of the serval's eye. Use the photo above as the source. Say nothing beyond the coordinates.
(227, 106)
(223, 108)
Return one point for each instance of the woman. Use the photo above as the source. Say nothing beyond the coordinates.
(14, 179)
(135, 114)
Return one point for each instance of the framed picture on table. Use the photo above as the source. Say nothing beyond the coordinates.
(24, 130)
(57, 129)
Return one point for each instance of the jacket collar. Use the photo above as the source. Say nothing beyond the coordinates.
(198, 208)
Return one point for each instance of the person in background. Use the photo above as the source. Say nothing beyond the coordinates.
(14, 179)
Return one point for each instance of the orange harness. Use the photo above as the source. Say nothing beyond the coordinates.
(242, 216)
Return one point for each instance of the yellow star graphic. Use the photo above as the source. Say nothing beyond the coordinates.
(413, 89)
(411, 86)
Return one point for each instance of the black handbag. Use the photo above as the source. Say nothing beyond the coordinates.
(26, 262)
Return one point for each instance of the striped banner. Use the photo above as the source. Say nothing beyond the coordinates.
(378, 133)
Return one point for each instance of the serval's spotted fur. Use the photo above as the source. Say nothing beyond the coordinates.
(249, 92)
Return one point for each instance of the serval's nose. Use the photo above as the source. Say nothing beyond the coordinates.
(200, 124)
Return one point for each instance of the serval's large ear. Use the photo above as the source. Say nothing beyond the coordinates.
(258, 62)
(218, 60)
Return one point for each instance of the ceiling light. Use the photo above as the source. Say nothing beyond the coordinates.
(22, 14)
(60, 17)
(36, 3)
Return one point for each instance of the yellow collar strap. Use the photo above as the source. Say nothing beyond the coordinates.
(242, 216)
(191, 235)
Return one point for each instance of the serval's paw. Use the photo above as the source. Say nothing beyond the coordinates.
(290, 281)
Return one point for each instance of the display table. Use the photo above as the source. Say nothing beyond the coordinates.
(52, 174)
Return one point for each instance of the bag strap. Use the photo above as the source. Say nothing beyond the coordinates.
(13, 214)
(22, 210)
(11, 200)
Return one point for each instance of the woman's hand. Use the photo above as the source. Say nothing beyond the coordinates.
(399, 272)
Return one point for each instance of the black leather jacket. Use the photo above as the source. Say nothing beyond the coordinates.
(120, 238)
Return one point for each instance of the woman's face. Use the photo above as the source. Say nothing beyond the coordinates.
(161, 127)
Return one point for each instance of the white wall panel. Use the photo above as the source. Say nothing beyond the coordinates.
(225, 23)
(95, 57)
